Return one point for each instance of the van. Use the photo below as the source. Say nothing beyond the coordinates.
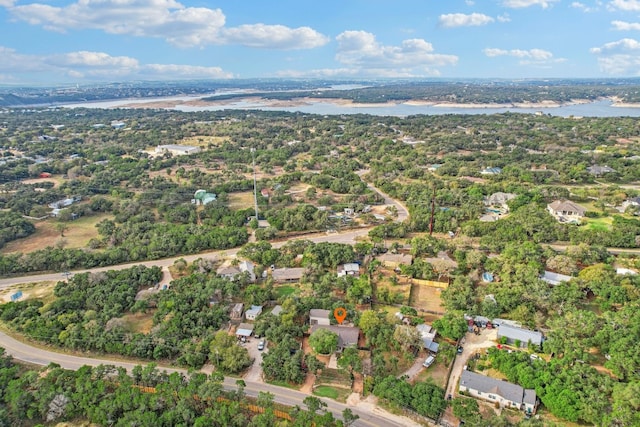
(429, 361)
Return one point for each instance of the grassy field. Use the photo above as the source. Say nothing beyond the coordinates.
(139, 322)
(241, 200)
(598, 223)
(284, 291)
(78, 234)
(203, 141)
(40, 290)
(326, 391)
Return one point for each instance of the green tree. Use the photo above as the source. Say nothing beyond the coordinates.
(323, 341)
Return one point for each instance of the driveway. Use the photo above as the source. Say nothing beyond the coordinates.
(472, 344)
(254, 374)
(415, 369)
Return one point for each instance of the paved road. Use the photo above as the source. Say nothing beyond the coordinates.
(346, 237)
(38, 356)
(369, 415)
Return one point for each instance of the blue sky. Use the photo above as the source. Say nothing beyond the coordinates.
(84, 41)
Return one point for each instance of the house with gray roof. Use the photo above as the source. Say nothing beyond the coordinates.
(566, 211)
(600, 170)
(554, 278)
(347, 335)
(523, 336)
(284, 275)
(508, 395)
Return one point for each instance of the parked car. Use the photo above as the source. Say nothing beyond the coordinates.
(261, 345)
(429, 361)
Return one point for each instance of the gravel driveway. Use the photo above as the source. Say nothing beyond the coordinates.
(254, 373)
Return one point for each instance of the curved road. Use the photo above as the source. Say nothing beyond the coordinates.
(347, 237)
(38, 356)
(369, 415)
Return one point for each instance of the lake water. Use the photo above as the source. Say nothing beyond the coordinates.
(601, 108)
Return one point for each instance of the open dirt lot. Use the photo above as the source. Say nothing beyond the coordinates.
(78, 234)
(426, 298)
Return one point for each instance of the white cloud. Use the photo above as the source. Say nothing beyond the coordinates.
(469, 2)
(621, 57)
(519, 4)
(625, 26)
(360, 49)
(7, 3)
(92, 60)
(274, 36)
(167, 19)
(628, 5)
(504, 18)
(623, 45)
(97, 66)
(188, 71)
(360, 73)
(534, 54)
(586, 9)
(452, 20)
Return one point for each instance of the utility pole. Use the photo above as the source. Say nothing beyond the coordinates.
(255, 187)
(433, 211)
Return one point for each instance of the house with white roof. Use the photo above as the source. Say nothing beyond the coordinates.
(515, 334)
(554, 278)
(566, 211)
(253, 312)
(349, 269)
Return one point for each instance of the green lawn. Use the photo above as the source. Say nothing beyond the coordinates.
(284, 291)
(326, 391)
(599, 223)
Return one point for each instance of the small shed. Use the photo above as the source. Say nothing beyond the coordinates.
(236, 311)
(244, 330)
(253, 312)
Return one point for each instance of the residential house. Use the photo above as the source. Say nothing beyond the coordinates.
(236, 311)
(491, 171)
(347, 335)
(600, 170)
(508, 395)
(287, 275)
(319, 316)
(202, 198)
(499, 200)
(177, 150)
(253, 312)
(276, 310)
(515, 334)
(231, 272)
(394, 260)
(248, 267)
(554, 278)
(349, 269)
(632, 204)
(228, 272)
(566, 211)
(428, 335)
(62, 203)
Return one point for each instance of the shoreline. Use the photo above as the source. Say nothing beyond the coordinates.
(248, 102)
(347, 103)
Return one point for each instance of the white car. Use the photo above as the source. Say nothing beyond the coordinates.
(261, 345)
(429, 361)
